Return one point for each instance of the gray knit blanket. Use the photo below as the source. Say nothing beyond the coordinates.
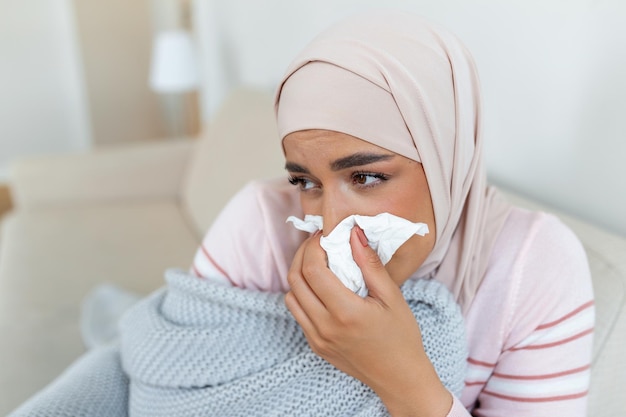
(195, 348)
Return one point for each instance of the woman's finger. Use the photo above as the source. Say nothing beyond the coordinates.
(379, 283)
(335, 296)
(296, 264)
(305, 296)
(299, 314)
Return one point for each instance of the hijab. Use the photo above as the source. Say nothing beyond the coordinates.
(397, 81)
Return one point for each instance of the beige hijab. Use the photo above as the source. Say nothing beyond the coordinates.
(399, 82)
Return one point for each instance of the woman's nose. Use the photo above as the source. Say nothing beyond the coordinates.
(334, 211)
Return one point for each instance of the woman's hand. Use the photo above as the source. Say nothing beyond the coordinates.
(374, 339)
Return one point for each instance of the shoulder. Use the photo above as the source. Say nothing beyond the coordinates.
(544, 267)
(543, 246)
(537, 267)
(256, 213)
(534, 232)
(249, 241)
(530, 326)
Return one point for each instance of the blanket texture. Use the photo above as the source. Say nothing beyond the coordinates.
(195, 348)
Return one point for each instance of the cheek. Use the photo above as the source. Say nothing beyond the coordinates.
(416, 248)
(409, 202)
(413, 203)
(408, 258)
(310, 205)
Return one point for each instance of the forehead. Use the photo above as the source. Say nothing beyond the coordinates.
(326, 142)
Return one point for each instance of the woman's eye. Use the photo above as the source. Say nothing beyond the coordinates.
(302, 183)
(366, 179)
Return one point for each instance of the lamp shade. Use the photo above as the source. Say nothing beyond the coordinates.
(174, 66)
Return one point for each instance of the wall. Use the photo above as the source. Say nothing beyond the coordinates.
(43, 105)
(74, 74)
(116, 42)
(552, 75)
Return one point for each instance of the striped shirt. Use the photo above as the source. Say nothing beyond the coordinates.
(529, 326)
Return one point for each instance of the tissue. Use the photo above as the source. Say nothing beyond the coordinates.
(385, 234)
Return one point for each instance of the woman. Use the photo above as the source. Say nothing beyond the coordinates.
(381, 113)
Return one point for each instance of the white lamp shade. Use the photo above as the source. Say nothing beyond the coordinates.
(174, 66)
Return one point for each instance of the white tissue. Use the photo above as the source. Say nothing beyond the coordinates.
(385, 234)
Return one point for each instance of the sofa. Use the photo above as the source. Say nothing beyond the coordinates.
(124, 214)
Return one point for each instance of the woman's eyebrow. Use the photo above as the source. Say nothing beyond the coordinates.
(293, 167)
(358, 159)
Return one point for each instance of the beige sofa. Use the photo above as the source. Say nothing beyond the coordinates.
(123, 215)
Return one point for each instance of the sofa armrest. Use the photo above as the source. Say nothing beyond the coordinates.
(135, 171)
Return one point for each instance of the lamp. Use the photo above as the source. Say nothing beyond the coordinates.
(174, 73)
(174, 67)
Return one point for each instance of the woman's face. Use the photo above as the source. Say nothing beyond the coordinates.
(339, 175)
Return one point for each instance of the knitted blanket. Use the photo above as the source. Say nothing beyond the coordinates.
(195, 348)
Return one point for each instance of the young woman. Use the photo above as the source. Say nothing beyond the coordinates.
(381, 113)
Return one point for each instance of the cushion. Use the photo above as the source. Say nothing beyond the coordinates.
(49, 260)
(241, 144)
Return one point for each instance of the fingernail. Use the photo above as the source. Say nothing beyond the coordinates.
(361, 235)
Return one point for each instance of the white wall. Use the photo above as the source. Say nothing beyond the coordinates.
(42, 97)
(556, 100)
(553, 74)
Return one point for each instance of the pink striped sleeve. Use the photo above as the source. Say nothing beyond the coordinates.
(546, 366)
(543, 368)
(204, 266)
(249, 245)
(547, 373)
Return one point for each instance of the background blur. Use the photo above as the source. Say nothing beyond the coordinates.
(74, 76)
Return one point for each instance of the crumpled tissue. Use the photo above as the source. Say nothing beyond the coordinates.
(385, 233)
